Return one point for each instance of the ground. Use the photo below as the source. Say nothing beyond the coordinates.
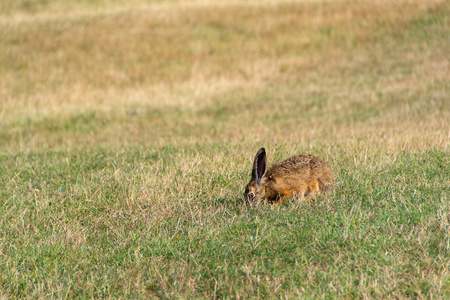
(128, 130)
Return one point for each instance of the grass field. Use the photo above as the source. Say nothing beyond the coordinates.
(128, 129)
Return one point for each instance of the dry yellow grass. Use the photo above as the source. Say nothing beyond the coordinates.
(185, 59)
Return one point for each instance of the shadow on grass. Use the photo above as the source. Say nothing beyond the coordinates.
(228, 201)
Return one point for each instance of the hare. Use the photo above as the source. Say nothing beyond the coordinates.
(302, 175)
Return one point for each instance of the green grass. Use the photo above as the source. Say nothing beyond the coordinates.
(128, 129)
(90, 225)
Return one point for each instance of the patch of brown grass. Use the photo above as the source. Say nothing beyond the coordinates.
(190, 62)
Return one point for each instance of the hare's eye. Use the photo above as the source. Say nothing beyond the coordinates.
(251, 195)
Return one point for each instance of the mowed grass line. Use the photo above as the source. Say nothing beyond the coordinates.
(154, 223)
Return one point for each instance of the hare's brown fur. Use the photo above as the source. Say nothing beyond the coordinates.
(299, 175)
(302, 175)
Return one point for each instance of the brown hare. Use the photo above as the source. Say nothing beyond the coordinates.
(302, 175)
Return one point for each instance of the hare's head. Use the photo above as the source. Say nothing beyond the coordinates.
(254, 191)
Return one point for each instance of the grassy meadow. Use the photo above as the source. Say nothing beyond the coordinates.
(128, 129)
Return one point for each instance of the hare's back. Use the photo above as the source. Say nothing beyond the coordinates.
(305, 164)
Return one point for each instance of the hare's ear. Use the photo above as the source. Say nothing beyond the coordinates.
(259, 165)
